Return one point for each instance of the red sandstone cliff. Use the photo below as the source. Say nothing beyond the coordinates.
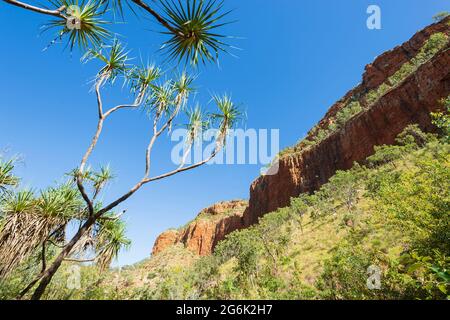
(210, 227)
(410, 102)
(305, 171)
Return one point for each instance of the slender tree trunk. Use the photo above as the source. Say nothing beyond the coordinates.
(50, 272)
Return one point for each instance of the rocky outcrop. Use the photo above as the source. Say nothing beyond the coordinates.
(305, 171)
(385, 66)
(206, 230)
(410, 102)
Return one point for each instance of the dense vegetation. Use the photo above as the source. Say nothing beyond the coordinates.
(391, 214)
(378, 231)
(33, 221)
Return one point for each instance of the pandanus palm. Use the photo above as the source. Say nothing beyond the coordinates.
(82, 23)
(143, 77)
(31, 221)
(229, 115)
(161, 100)
(183, 87)
(7, 178)
(193, 24)
(114, 58)
(110, 239)
(197, 124)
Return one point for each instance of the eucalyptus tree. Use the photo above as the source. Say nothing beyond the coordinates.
(191, 27)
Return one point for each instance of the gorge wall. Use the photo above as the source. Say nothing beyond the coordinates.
(206, 230)
(379, 123)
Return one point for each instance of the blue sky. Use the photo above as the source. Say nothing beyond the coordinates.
(298, 58)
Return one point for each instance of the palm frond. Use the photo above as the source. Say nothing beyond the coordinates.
(162, 99)
(117, 6)
(194, 23)
(23, 229)
(229, 113)
(63, 202)
(111, 238)
(197, 124)
(101, 178)
(115, 60)
(142, 77)
(83, 25)
(183, 87)
(227, 118)
(7, 178)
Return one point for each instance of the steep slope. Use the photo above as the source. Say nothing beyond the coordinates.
(409, 102)
(399, 88)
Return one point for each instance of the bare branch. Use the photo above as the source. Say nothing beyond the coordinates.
(183, 160)
(137, 103)
(182, 169)
(56, 13)
(99, 97)
(115, 203)
(156, 134)
(85, 195)
(93, 144)
(116, 217)
(31, 285)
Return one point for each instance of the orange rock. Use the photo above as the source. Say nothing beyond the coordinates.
(165, 239)
(211, 226)
(411, 102)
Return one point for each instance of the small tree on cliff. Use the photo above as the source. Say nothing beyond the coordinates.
(191, 26)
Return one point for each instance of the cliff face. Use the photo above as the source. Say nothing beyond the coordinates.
(211, 226)
(410, 102)
(407, 103)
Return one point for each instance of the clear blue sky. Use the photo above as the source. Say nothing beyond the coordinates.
(298, 58)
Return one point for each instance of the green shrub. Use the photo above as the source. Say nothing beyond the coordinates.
(440, 16)
(348, 112)
(442, 119)
(405, 70)
(433, 45)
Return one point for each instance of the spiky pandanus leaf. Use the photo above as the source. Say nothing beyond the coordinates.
(183, 87)
(30, 221)
(194, 23)
(114, 59)
(143, 77)
(22, 231)
(228, 117)
(117, 6)
(101, 178)
(83, 25)
(110, 239)
(7, 178)
(197, 123)
(162, 99)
